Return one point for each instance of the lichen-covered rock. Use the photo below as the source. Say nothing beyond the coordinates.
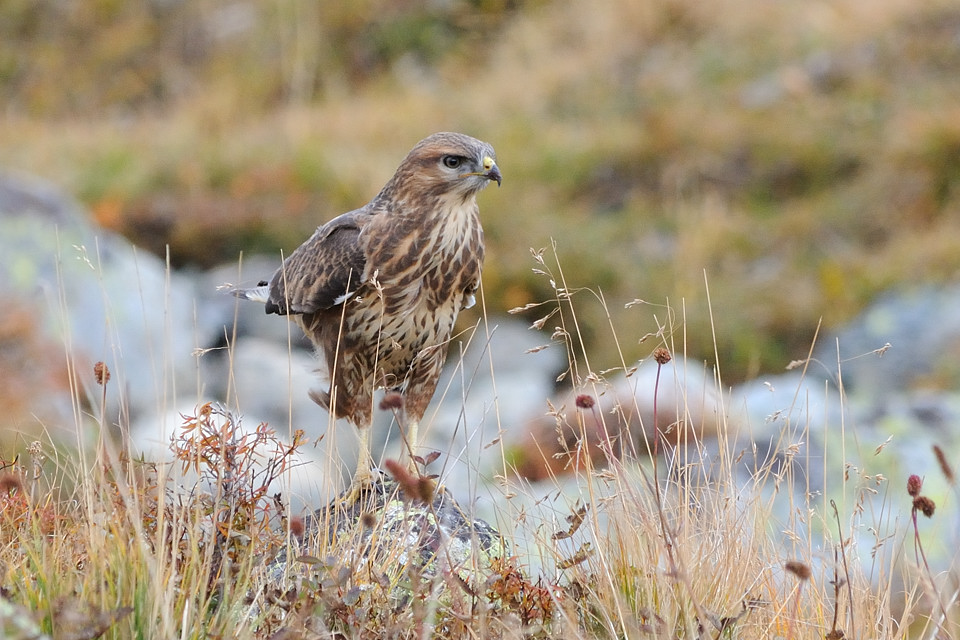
(395, 543)
(426, 538)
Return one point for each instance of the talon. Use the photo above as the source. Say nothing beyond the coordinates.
(354, 493)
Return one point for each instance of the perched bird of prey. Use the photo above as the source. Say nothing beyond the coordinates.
(377, 290)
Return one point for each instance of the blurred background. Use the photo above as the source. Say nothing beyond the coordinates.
(797, 158)
(802, 156)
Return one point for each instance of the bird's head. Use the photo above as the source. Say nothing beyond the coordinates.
(450, 163)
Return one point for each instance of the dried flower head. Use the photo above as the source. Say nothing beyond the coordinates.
(101, 373)
(945, 467)
(914, 484)
(924, 505)
(297, 527)
(799, 569)
(662, 355)
(391, 401)
(585, 401)
(9, 482)
(414, 487)
(426, 489)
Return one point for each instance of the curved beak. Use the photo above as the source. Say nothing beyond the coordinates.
(491, 171)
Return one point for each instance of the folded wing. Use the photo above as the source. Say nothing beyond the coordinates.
(324, 271)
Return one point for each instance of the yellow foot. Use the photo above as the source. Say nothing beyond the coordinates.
(362, 483)
(359, 487)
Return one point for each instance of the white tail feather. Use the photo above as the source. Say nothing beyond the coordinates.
(257, 294)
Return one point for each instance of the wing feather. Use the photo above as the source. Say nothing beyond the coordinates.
(323, 271)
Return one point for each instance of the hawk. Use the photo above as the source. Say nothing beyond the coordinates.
(377, 290)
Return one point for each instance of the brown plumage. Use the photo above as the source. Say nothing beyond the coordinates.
(377, 290)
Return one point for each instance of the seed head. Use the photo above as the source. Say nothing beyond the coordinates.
(415, 488)
(799, 569)
(101, 373)
(585, 401)
(914, 484)
(945, 467)
(297, 527)
(924, 505)
(392, 400)
(662, 355)
(9, 482)
(426, 489)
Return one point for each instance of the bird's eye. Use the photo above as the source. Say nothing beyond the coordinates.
(452, 162)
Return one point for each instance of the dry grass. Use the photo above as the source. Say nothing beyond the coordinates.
(96, 543)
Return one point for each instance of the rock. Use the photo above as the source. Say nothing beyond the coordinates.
(268, 382)
(390, 541)
(98, 299)
(857, 445)
(488, 386)
(922, 327)
(617, 417)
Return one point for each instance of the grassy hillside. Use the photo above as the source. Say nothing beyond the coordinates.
(795, 157)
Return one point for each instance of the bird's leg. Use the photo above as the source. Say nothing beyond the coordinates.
(412, 428)
(363, 477)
